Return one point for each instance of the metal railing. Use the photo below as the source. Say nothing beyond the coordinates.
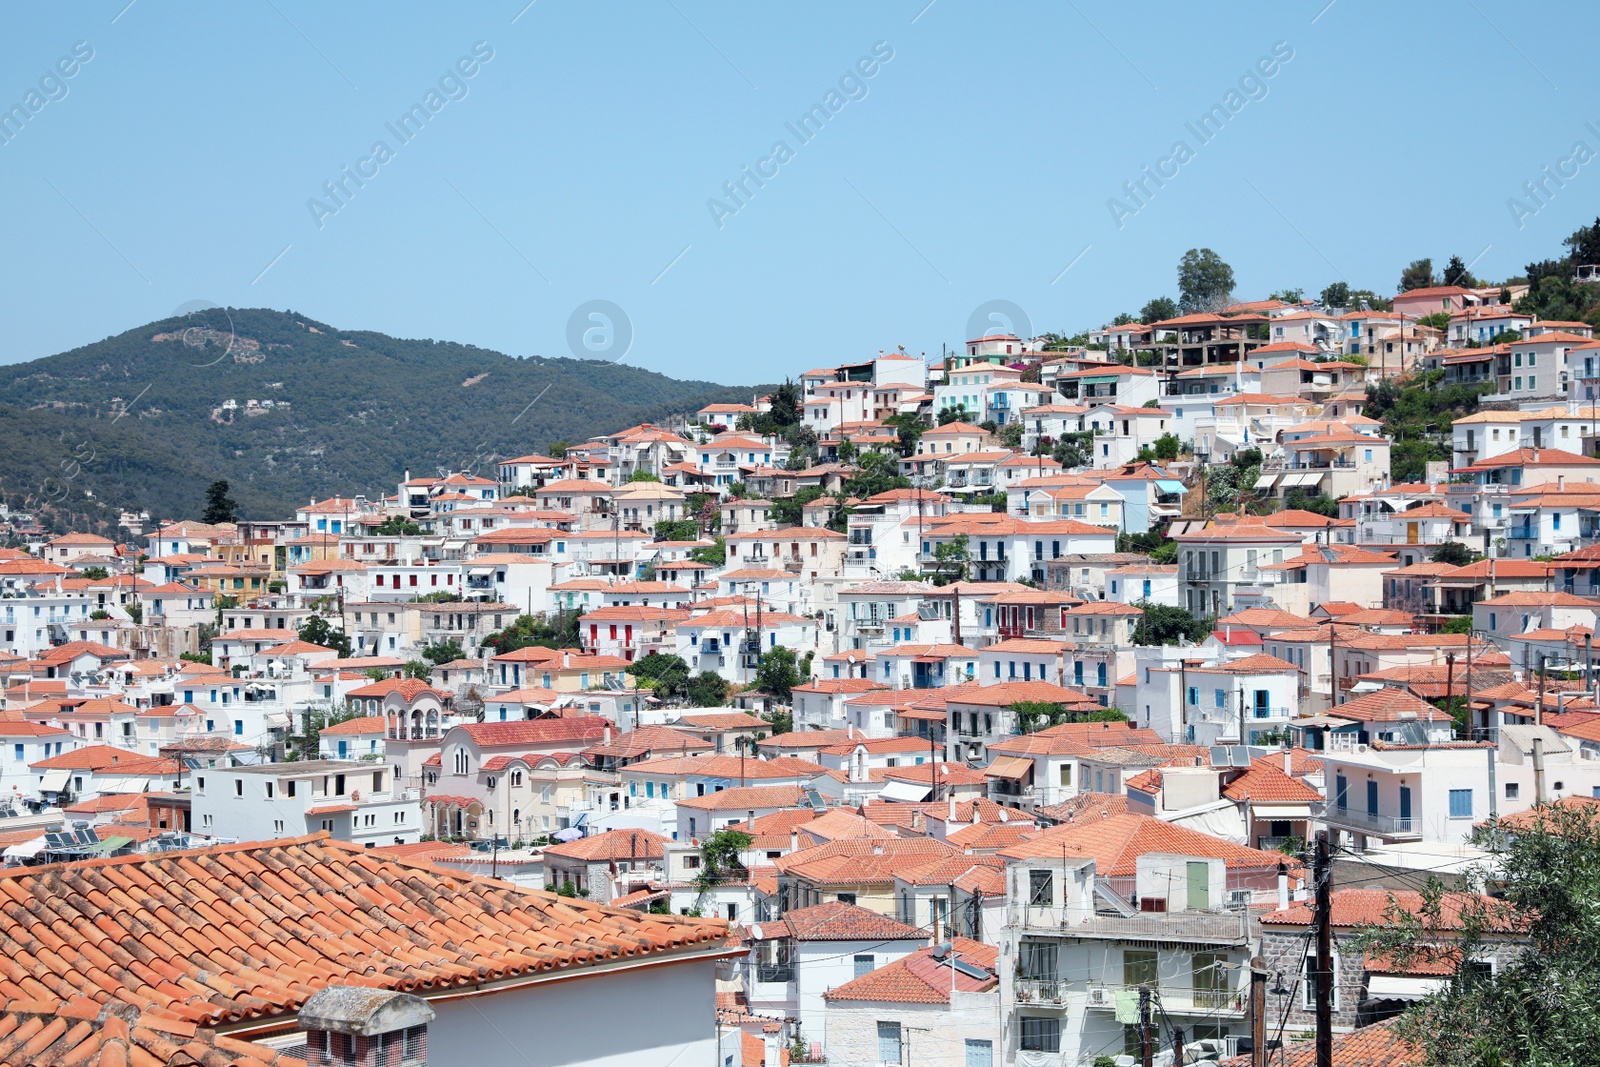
(1387, 825)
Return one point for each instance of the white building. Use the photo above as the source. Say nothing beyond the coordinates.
(350, 800)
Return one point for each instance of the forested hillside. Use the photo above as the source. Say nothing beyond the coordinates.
(144, 419)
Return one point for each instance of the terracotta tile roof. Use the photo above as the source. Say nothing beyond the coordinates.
(1386, 705)
(365, 724)
(1265, 783)
(1376, 907)
(251, 931)
(105, 757)
(611, 845)
(1115, 844)
(921, 979)
(1084, 806)
(86, 1033)
(535, 731)
(779, 767)
(1371, 1046)
(636, 743)
(858, 861)
(408, 688)
(747, 797)
(729, 720)
(837, 921)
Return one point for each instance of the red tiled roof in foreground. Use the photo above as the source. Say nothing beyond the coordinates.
(251, 931)
(86, 1033)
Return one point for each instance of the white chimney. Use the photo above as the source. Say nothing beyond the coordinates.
(1288, 763)
(1283, 888)
(608, 733)
(952, 816)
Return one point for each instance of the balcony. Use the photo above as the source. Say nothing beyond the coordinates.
(1389, 827)
(1198, 927)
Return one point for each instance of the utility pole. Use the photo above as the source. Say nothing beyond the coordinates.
(1538, 709)
(1449, 683)
(1333, 679)
(1258, 1012)
(1177, 1046)
(1147, 1032)
(1321, 873)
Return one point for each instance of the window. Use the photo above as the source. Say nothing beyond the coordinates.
(979, 1053)
(1512, 789)
(1461, 803)
(1308, 987)
(1041, 888)
(1138, 967)
(1040, 1034)
(865, 964)
(238, 788)
(888, 1042)
(1037, 959)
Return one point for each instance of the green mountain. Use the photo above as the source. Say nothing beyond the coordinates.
(285, 408)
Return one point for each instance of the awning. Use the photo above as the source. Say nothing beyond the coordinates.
(54, 781)
(1402, 987)
(1008, 767)
(122, 785)
(1301, 479)
(1266, 481)
(906, 792)
(1269, 810)
(480, 570)
(1170, 485)
(25, 851)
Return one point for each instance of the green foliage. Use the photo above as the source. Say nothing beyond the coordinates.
(707, 689)
(1337, 295)
(94, 574)
(1288, 296)
(1073, 449)
(875, 473)
(99, 613)
(782, 721)
(950, 560)
(1458, 624)
(720, 858)
(1164, 625)
(714, 554)
(220, 507)
(1456, 273)
(1418, 275)
(443, 652)
(1539, 1006)
(1439, 320)
(665, 674)
(1011, 435)
(1415, 419)
(958, 413)
(557, 449)
(305, 744)
(542, 630)
(778, 673)
(1205, 282)
(847, 451)
(1297, 499)
(1166, 447)
(196, 657)
(417, 669)
(1035, 715)
(353, 420)
(643, 476)
(1505, 337)
(909, 430)
(319, 631)
(791, 512)
(443, 596)
(1452, 552)
(135, 612)
(1159, 309)
(397, 526)
(677, 530)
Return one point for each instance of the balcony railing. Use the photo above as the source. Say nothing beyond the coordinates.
(1396, 826)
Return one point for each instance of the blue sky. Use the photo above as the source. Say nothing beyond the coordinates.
(977, 162)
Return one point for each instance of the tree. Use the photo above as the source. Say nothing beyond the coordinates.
(1454, 553)
(848, 450)
(785, 405)
(677, 530)
(1456, 273)
(950, 560)
(1164, 625)
(1439, 320)
(1011, 435)
(1205, 282)
(1167, 446)
(94, 574)
(1123, 319)
(317, 630)
(1419, 275)
(643, 476)
(558, 449)
(1159, 309)
(721, 858)
(791, 512)
(667, 675)
(875, 473)
(778, 673)
(958, 413)
(707, 689)
(417, 669)
(1336, 295)
(1536, 1007)
(908, 429)
(1288, 296)
(306, 744)
(714, 554)
(443, 652)
(398, 526)
(220, 507)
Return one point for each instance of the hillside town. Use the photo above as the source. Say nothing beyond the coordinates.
(1037, 703)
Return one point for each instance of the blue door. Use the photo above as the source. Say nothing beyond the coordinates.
(1372, 798)
(1405, 807)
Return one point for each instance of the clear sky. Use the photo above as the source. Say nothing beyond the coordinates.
(578, 159)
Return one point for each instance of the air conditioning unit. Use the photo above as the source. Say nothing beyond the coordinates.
(1101, 997)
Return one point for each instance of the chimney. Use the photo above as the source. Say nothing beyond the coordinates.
(794, 840)
(1561, 483)
(349, 1026)
(916, 822)
(952, 816)
(608, 733)
(1283, 887)
(850, 730)
(1288, 763)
